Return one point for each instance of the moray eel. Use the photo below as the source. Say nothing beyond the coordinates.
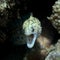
(32, 29)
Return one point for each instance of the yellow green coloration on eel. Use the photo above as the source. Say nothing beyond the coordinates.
(32, 29)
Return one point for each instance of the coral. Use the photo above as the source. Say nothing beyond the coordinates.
(3, 5)
(55, 53)
(55, 16)
(5, 16)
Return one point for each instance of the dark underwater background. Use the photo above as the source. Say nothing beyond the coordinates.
(12, 45)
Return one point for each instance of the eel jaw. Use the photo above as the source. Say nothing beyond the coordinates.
(31, 42)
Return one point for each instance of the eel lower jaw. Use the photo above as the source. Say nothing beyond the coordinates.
(31, 40)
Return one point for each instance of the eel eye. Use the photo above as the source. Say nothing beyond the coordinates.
(32, 30)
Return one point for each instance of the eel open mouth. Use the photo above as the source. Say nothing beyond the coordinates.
(31, 40)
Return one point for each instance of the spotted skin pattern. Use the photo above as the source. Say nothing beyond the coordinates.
(32, 25)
